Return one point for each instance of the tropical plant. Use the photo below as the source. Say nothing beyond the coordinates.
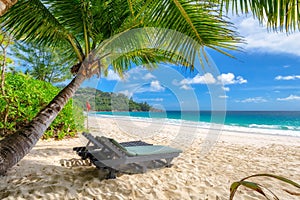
(24, 97)
(261, 189)
(84, 25)
(43, 63)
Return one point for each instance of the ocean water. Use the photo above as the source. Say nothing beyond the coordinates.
(264, 122)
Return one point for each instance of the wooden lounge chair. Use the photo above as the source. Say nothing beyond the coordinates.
(128, 157)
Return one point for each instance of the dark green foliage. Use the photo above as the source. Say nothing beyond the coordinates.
(25, 97)
(107, 101)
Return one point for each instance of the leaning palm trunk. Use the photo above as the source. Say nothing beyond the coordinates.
(15, 146)
(5, 5)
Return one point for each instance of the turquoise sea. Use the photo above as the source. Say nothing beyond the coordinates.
(265, 122)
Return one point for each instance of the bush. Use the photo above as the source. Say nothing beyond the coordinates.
(25, 97)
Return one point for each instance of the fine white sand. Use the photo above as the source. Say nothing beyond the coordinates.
(210, 162)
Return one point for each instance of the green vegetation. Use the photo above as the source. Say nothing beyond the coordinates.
(25, 97)
(107, 101)
(43, 63)
(261, 189)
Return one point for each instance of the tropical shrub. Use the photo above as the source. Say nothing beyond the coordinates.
(25, 97)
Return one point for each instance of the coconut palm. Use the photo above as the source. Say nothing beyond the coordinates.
(81, 26)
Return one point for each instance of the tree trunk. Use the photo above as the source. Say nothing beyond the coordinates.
(5, 5)
(15, 146)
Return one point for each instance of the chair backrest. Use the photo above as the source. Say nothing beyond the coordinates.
(108, 147)
(113, 145)
(104, 148)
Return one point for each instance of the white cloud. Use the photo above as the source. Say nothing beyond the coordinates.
(229, 78)
(226, 79)
(207, 78)
(155, 86)
(241, 80)
(186, 87)
(287, 78)
(126, 93)
(153, 99)
(112, 76)
(253, 100)
(226, 89)
(149, 76)
(134, 73)
(223, 97)
(259, 39)
(289, 98)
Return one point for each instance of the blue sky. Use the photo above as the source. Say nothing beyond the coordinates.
(265, 76)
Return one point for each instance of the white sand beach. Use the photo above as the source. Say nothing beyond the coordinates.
(205, 169)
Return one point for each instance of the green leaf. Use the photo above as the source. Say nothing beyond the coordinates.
(280, 15)
(259, 188)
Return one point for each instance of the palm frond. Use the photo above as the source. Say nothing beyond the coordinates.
(148, 58)
(199, 20)
(109, 16)
(74, 16)
(148, 46)
(279, 15)
(259, 188)
(32, 21)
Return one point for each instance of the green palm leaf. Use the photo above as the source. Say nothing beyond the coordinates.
(86, 23)
(279, 14)
(32, 21)
(259, 188)
(148, 46)
(199, 20)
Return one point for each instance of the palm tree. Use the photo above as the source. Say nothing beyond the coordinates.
(82, 26)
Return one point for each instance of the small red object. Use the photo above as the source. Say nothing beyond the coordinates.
(88, 106)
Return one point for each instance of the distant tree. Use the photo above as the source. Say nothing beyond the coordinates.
(43, 63)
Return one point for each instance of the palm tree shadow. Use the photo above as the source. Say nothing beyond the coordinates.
(31, 177)
(42, 172)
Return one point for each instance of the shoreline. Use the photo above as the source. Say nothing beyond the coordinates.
(193, 175)
(207, 125)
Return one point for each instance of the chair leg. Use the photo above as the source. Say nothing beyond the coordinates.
(111, 174)
(168, 162)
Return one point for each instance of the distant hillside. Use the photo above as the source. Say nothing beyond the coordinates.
(107, 101)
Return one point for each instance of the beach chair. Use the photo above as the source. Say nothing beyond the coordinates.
(128, 157)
